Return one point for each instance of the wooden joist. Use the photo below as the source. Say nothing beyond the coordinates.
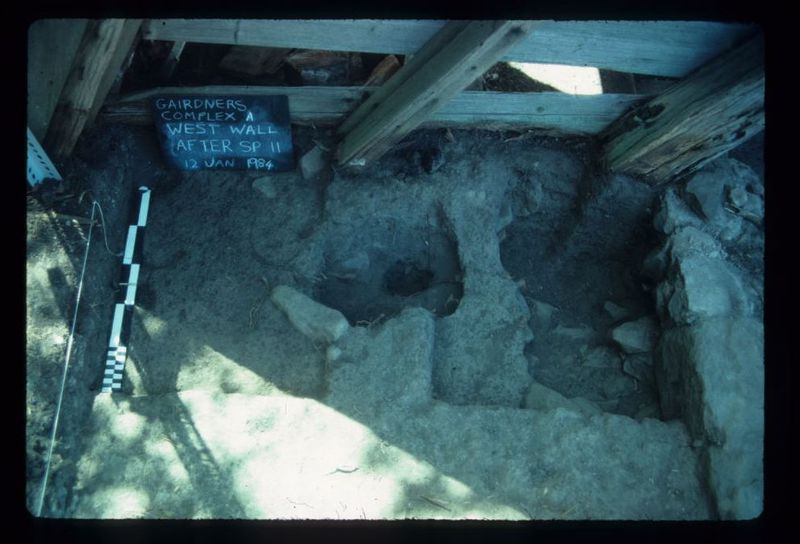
(661, 48)
(328, 106)
(103, 49)
(448, 63)
(696, 120)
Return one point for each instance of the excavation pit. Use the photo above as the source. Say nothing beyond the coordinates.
(391, 268)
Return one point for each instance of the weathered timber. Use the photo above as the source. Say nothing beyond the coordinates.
(98, 59)
(383, 71)
(172, 60)
(661, 48)
(696, 120)
(121, 56)
(52, 44)
(328, 106)
(437, 73)
(411, 66)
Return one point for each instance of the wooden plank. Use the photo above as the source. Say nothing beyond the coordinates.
(52, 44)
(662, 48)
(328, 106)
(428, 83)
(89, 79)
(307, 105)
(361, 35)
(171, 62)
(412, 65)
(694, 121)
(659, 48)
(122, 51)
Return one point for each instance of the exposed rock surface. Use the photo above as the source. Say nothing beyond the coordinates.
(709, 365)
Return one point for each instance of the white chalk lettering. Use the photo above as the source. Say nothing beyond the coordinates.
(213, 162)
(259, 163)
(169, 115)
(200, 104)
(250, 116)
(192, 128)
(253, 130)
(246, 146)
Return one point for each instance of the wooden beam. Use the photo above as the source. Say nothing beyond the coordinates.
(172, 60)
(661, 48)
(121, 53)
(328, 106)
(414, 64)
(101, 52)
(447, 64)
(694, 121)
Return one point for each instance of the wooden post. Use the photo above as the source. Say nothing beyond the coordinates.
(172, 60)
(696, 120)
(102, 52)
(451, 60)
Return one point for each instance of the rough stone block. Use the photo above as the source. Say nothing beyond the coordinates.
(640, 367)
(545, 399)
(673, 214)
(314, 320)
(703, 288)
(542, 314)
(711, 374)
(705, 191)
(266, 186)
(616, 311)
(599, 357)
(637, 336)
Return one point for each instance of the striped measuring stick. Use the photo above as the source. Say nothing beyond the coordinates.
(123, 309)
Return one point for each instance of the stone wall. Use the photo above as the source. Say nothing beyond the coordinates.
(709, 362)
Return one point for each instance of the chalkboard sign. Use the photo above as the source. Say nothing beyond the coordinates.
(225, 132)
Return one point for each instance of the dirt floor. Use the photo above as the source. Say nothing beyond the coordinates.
(518, 250)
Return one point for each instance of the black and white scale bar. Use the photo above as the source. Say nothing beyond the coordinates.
(123, 309)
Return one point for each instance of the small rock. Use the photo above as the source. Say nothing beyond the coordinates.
(540, 397)
(583, 332)
(314, 163)
(691, 242)
(639, 366)
(705, 190)
(702, 288)
(266, 186)
(600, 357)
(314, 320)
(506, 215)
(647, 411)
(353, 265)
(673, 214)
(749, 205)
(542, 313)
(332, 354)
(587, 407)
(636, 336)
(617, 386)
(655, 264)
(617, 312)
(431, 159)
(534, 194)
(545, 399)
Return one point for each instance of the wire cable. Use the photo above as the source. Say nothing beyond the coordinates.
(69, 352)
